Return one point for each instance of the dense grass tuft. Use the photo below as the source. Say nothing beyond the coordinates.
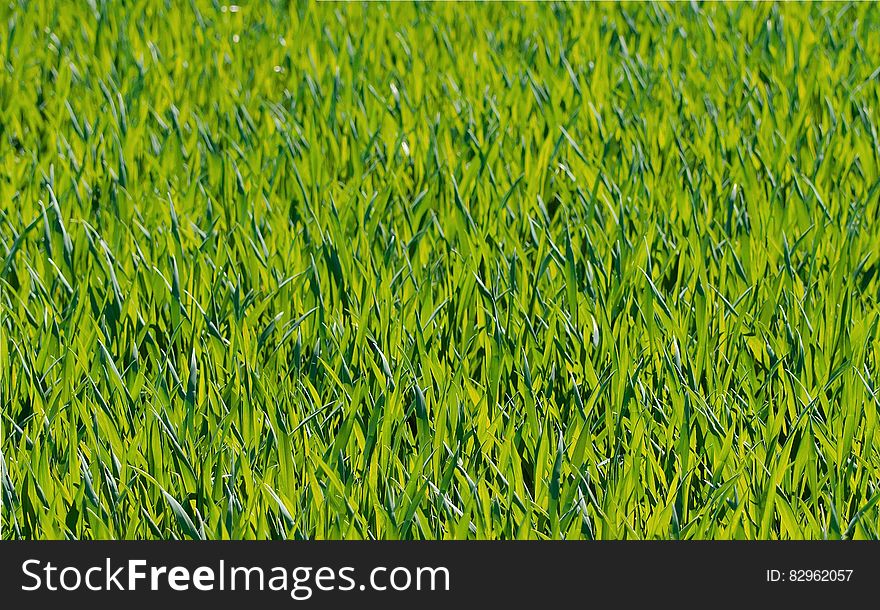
(439, 270)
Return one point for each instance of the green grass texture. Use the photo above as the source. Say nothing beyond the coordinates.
(439, 270)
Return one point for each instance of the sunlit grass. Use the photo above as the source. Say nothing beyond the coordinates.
(439, 270)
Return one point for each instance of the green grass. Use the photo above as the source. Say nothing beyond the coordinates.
(439, 271)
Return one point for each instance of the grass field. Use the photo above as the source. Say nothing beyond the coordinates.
(439, 270)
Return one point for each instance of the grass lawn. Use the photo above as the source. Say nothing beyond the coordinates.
(380, 271)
